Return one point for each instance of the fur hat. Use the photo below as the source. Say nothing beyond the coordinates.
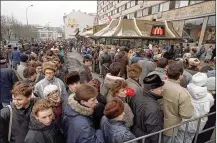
(49, 65)
(152, 81)
(114, 108)
(24, 58)
(194, 61)
(199, 79)
(49, 89)
(134, 70)
(72, 77)
(210, 84)
(186, 56)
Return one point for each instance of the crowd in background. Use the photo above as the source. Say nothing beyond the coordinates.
(142, 91)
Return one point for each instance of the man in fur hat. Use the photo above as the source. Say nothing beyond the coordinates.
(49, 69)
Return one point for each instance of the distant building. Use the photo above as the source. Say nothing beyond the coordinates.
(77, 20)
(48, 33)
(194, 20)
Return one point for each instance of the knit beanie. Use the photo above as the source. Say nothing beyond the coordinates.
(114, 108)
(210, 84)
(49, 65)
(24, 58)
(49, 89)
(199, 79)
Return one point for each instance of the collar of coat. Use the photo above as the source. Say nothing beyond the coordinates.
(78, 107)
(162, 70)
(174, 81)
(152, 95)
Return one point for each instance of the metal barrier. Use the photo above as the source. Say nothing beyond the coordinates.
(143, 138)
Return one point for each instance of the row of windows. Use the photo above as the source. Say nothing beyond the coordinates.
(151, 10)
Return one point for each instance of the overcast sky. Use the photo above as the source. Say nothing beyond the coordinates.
(43, 12)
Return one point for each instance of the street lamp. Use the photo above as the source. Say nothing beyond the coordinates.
(26, 13)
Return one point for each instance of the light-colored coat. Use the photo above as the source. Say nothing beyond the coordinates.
(20, 69)
(176, 105)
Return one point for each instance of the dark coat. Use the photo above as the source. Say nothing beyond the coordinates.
(122, 58)
(15, 55)
(39, 133)
(148, 116)
(85, 74)
(98, 111)
(7, 80)
(77, 124)
(20, 123)
(115, 131)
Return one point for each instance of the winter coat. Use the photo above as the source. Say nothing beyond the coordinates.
(109, 79)
(105, 61)
(115, 131)
(122, 58)
(20, 123)
(186, 78)
(39, 89)
(208, 54)
(131, 83)
(192, 72)
(147, 67)
(148, 116)
(135, 59)
(176, 104)
(159, 71)
(202, 102)
(60, 75)
(77, 124)
(112, 54)
(15, 55)
(128, 116)
(39, 133)
(85, 74)
(20, 69)
(7, 80)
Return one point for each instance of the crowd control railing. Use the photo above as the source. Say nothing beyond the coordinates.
(142, 139)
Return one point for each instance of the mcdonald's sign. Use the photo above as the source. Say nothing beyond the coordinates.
(158, 30)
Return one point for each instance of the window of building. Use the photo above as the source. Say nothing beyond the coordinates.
(133, 3)
(43, 35)
(136, 2)
(155, 9)
(118, 10)
(195, 1)
(122, 8)
(145, 12)
(180, 3)
(165, 6)
(139, 13)
(192, 29)
(210, 33)
(131, 15)
(128, 5)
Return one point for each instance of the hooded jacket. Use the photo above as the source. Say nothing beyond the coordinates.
(39, 88)
(148, 116)
(77, 124)
(202, 102)
(39, 133)
(20, 123)
(115, 131)
(109, 79)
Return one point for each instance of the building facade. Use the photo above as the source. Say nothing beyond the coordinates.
(77, 20)
(194, 20)
(49, 33)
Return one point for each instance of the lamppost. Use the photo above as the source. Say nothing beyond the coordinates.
(26, 13)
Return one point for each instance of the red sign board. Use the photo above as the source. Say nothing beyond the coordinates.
(158, 30)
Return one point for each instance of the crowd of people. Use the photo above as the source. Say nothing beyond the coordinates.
(142, 91)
